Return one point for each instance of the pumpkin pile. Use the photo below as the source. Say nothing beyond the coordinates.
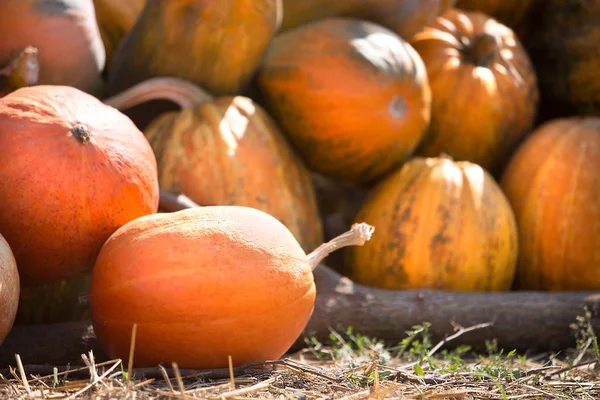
(449, 145)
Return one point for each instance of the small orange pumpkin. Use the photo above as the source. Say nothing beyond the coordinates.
(553, 185)
(441, 225)
(215, 44)
(74, 171)
(352, 96)
(484, 89)
(237, 284)
(71, 51)
(227, 151)
(9, 289)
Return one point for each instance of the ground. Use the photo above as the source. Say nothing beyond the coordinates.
(353, 367)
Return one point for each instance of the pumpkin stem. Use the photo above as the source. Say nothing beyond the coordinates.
(81, 132)
(358, 235)
(23, 70)
(485, 49)
(181, 92)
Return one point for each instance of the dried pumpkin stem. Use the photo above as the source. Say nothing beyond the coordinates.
(358, 235)
(180, 91)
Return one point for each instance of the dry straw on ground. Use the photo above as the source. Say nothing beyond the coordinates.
(355, 367)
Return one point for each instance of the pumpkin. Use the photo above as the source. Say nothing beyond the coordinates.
(238, 285)
(516, 14)
(553, 185)
(352, 96)
(215, 44)
(9, 289)
(567, 59)
(227, 151)
(75, 171)
(405, 17)
(66, 34)
(115, 18)
(21, 71)
(474, 60)
(442, 224)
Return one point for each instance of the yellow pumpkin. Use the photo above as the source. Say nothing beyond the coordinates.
(440, 224)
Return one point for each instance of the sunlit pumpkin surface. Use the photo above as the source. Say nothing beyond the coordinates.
(202, 284)
(439, 224)
(553, 184)
(483, 85)
(9, 289)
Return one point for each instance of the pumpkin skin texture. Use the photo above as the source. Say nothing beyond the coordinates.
(440, 224)
(66, 34)
(230, 152)
(204, 283)
(115, 18)
(9, 289)
(472, 59)
(78, 170)
(352, 96)
(553, 185)
(563, 47)
(215, 44)
(405, 17)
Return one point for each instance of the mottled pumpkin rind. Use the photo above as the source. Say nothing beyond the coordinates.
(230, 152)
(553, 185)
(439, 224)
(350, 95)
(479, 113)
(217, 45)
(62, 197)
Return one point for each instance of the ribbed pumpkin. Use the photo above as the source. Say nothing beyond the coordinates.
(352, 96)
(73, 171)
(9, 289)
(227, 151)
(553, 185)
(215, 44)
(66, 34)
(563, 47)
(115, 19)
(405, 17)
(440, 224)
(484, 89)
(203, 284)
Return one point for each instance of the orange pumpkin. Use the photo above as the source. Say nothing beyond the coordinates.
(115, 18)
(553, 185)
(405, 17)
(9, 289)
(66, 34)
(215, 44)
(474, 61)
(74, 171)
(352, 96)
(227, 151)
(441, 225)
(237, 284)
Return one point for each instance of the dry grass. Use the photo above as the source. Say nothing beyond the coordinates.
(354, 367)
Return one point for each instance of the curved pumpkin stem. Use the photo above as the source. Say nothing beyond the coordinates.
(23, 70)
(358, 235)
(180, 91)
